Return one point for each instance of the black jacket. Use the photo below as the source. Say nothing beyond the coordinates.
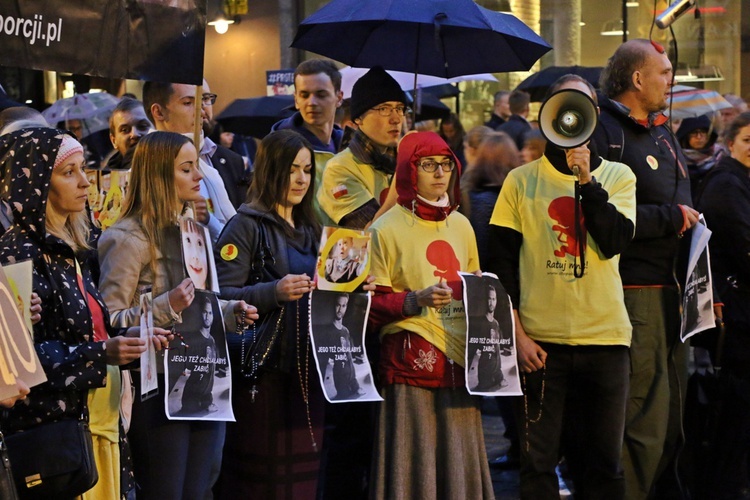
(231, 168)
(72, 360)
(516, 127)
(652, 153)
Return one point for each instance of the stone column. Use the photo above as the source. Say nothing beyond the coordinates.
(287, 27)
(567, 31)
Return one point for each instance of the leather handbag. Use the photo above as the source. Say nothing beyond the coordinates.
(53, 460)
(7, 485)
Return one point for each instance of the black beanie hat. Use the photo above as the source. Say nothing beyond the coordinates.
(373, 88)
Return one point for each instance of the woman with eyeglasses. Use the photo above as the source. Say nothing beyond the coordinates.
(355, 181)
(698, 140)
(429, 441)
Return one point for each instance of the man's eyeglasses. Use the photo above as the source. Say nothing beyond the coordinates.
(209, 99)
(387, 110)
(430, 166)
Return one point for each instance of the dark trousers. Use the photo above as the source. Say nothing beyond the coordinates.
(172, 459)
(579, 395)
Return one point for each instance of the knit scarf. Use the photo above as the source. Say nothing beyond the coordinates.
(366, 151)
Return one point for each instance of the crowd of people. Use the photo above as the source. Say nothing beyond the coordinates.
(588, 242)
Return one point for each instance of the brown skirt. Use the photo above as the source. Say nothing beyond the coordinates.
(429, 445)
(268, 453)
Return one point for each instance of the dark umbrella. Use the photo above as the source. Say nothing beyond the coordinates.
(431, 107)
(538, 83)
(445, 38)
(256, 116)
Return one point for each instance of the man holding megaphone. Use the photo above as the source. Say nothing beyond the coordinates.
(557, 230)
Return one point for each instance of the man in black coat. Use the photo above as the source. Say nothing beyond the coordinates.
(517, 126)
(230, 165)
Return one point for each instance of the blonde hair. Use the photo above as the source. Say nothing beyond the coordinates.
(75, 231)
(152, 198)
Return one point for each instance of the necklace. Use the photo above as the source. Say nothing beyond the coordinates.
(241, 331)
(526, 419)
(304, 382)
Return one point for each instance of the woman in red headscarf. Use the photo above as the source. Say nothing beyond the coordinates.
(429, 437)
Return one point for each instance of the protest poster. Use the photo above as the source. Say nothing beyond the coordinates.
(280, 82)
(149, 368)
(19, 280)
(18, 359)
(196, 366)
(160, 40)
(698, 297)
(198, 255)
(491, 365)
(343, 260)
(337, 330)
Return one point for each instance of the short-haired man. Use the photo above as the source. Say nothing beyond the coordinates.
(356, 181)
(127, 124)
(517, 126)
(317, 96)
(171, 108)
(500, 110)
(230, 165)
(633, 130)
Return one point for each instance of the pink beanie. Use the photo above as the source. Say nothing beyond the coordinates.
(68, 148)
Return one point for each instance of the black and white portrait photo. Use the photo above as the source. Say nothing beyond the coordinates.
(337, 327)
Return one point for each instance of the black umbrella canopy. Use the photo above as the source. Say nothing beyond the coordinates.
(256, 116)
(445, 38)
(538, 83)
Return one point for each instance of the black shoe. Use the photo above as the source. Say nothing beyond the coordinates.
(505, 462)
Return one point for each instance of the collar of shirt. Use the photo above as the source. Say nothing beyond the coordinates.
(208, 149)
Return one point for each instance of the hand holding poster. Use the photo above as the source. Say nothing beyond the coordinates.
(197, 371)
(337, 330)
(491, 366)
(698, 298)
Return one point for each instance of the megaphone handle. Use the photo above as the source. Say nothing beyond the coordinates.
(576, 171)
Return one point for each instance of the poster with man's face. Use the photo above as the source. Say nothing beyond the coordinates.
(337, 330)
(491, 366)
(196, 366)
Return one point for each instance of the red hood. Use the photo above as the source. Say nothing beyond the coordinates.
(412, 147)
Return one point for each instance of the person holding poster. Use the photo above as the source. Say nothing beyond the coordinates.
(419, 311)
(172, 459)
(267, 255)
(724, 200)
(572, 329)
(79, 351)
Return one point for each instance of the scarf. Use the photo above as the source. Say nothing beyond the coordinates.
(366, 151)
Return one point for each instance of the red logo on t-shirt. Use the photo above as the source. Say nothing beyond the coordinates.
(562, 211)
(441, 255)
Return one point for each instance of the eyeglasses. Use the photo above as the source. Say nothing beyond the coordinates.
(387, 110)
(209, 99)
(430, 166)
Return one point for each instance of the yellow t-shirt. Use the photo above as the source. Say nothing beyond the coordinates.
(321, 159)
(409, 253)
(537, 201)
(348, 184)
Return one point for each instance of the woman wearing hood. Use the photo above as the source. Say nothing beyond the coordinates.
(418, 309)
(698, 140)
(78, 349)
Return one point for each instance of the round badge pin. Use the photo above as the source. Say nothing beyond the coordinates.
(652, 162)
(229, 252)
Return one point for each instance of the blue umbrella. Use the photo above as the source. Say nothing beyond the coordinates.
(445, 38)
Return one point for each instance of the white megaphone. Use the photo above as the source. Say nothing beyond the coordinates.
(568, 118)
(670, 15)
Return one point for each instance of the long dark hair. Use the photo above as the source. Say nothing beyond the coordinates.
(270, 187)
